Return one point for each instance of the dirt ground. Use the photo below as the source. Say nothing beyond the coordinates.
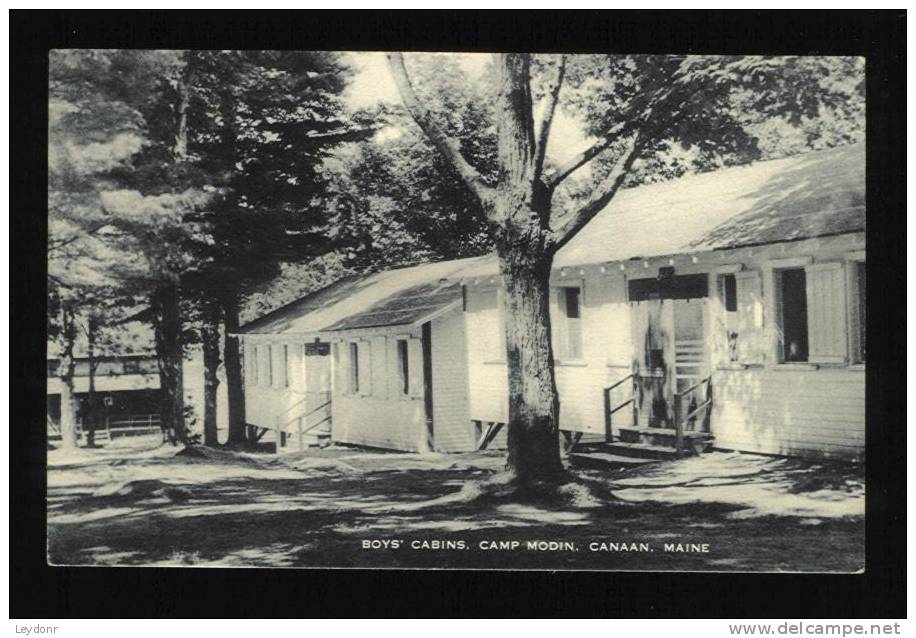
(136, 502)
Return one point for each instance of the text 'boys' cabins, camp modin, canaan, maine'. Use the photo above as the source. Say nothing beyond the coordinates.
(726, 307)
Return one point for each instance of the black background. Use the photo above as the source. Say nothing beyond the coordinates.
(39, 591)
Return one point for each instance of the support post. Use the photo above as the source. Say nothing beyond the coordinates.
(301, 440)
(608, 434)
(678, 426)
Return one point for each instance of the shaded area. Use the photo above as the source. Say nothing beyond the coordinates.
(147, 506)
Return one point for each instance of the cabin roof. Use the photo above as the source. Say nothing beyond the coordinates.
(393, 297)
(811, 195)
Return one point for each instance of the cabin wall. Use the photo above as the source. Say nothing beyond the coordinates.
(792, 412)
(760, 404)
(580, 382)
(273, 395)
(379, 413)
(452, 428)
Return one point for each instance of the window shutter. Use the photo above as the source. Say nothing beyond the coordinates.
(557, 321)
(826, 313)
(415, 366)
(251, 364)
(365, 368)
(341, 368)
(751, 346)
(380, 367)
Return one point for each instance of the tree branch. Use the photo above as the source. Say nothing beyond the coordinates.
(550, 107)
(584, 157)
(446, 145)
(602, 194)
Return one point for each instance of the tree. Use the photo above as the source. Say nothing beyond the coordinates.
(260, 123)
(634, 106)
(120, 177)
(396, 199)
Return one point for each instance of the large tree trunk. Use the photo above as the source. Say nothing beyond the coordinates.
(235, 388)
(534, 407)
(90, 408)
(210, 338)
(170, 357)
(66, 370)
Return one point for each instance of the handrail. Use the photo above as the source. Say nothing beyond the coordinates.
(609, 410)
(629, 376)
(696, 385)
(679, 421)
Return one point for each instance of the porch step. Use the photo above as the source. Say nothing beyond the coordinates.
(666, 437)
(598, 459)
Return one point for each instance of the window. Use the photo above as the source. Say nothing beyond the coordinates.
(728, 296)
(403, 367)
(860, 312)
(792, 314)
(571, 329)
(354, 368)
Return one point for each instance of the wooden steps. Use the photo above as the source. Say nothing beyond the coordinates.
(694, 441)
(599, 459)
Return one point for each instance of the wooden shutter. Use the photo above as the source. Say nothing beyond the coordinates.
(826, 295)
(365, 368)
(558, 323)
(380, 367)
(341, 368)
(751, 346)
(415, 366)
(251, 364)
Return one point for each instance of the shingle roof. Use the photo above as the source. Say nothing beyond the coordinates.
(393, 297)
(811, 195)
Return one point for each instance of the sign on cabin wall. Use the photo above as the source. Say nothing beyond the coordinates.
(317, 349)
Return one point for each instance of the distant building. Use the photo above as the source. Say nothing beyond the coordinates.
(723, 309)
(128, 391)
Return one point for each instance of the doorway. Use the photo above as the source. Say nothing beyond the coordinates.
(668, 318)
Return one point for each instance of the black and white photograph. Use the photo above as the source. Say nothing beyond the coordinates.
(464, 309)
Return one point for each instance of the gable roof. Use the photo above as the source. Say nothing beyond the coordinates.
(403, 296)
(815, 194)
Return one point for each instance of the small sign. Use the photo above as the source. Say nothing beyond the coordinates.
(108, 401)
(317, 349)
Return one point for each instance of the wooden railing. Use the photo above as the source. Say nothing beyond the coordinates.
(610, 410)
(320, 414)
(680, 419)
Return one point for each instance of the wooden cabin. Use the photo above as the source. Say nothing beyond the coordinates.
(730, 303)
(725, 309)
(376, 360)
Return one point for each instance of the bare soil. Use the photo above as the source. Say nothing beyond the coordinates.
(141, 503)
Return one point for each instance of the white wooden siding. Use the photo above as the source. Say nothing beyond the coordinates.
(790, 411)
(452, 428)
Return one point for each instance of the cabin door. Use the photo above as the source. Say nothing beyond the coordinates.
(668, 322)
(690, 360)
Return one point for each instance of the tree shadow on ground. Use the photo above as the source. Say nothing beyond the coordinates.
(268, 515)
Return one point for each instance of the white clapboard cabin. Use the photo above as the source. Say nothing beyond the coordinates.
(377, 360)
(723, 309)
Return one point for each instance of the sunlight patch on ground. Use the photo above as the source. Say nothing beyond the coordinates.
(93, 515)
(759, 499)
(538, 515)
(764, 486)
